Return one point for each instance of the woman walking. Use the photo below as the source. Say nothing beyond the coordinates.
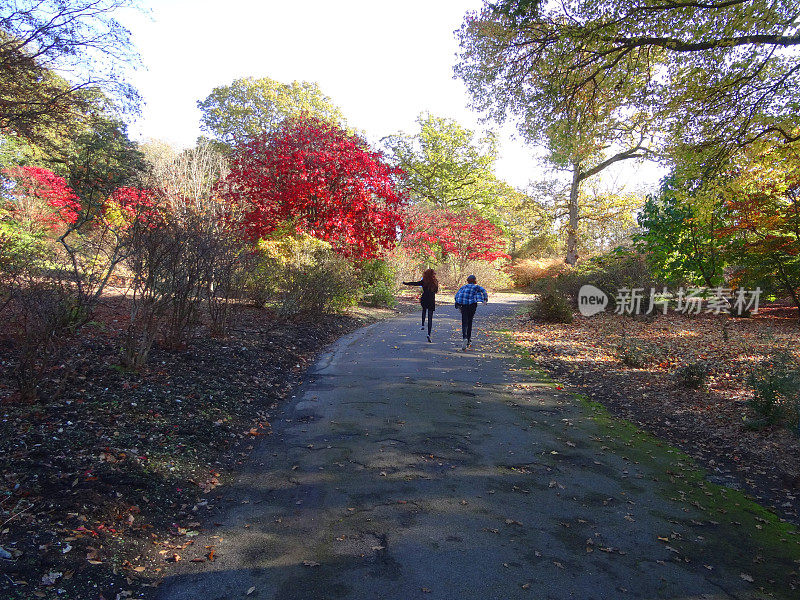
(430, 286)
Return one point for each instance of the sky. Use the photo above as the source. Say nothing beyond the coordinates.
(382, 62)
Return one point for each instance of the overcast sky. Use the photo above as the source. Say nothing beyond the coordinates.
(382, 62)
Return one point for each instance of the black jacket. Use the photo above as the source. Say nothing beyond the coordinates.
(428, 298)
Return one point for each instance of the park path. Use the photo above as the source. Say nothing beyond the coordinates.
(407, 470)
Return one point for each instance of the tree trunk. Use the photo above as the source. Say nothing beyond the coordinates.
(572, 225)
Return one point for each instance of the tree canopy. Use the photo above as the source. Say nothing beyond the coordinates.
(716, 75)
(315, 178)
(523, 68)
(55, 56)
(249, 107)
(446, 164)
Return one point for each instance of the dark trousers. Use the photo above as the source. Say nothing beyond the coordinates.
(467, 314)
(430, 318)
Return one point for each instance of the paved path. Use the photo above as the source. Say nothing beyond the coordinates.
(408, 470)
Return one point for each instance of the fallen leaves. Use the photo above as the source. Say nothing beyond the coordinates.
(707, 422)
(78, 466)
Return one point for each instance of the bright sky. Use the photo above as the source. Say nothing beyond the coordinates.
(382, 62)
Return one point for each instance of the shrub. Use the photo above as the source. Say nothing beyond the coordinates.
(42, 317)
(609, 272)
(325, 283)
(551, 308)
(692, 375)
(775, 382)
(379, 294)
(525, 273)
(635, 354)
(376, 281)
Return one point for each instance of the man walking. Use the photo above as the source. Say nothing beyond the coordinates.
(467, 298)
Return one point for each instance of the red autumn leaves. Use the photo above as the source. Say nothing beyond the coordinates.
(305, 176)
(314, 177)
(42, 198)
(437, 234)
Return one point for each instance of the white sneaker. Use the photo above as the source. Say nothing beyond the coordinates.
(464, 344)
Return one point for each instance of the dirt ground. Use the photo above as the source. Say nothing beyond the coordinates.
(594, 356)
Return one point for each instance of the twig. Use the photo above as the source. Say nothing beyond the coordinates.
(14, 516)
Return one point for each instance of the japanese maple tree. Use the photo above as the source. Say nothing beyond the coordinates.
(40, 199)
(438, 235)
(317, 178)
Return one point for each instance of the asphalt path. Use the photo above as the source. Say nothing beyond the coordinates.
(405, 469)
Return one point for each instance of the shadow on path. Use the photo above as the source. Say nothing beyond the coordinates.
(412, 470)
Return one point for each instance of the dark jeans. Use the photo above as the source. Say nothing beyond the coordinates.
(430, 318)
(467, 314)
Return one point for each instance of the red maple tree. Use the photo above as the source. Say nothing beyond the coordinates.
(318, 179)
(438, 235)
(129, 205)
(40, 198)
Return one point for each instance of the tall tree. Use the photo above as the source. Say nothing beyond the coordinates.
(249, 107)
(521, 214)
(525, 68)
(762, 202)
(719, 74)
(446, 164)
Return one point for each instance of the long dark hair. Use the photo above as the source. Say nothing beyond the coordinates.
(429, 281)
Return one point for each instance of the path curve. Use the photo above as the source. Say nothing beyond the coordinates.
(405, 470)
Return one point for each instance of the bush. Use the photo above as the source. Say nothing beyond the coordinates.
(776, 390)
(692, 375)
(326, 283)
(525, 273)
(300, 273)
(376, 281)
(551, 308)
(490, 275)
(636, 355)
(379, 294)
(609, 272)
(42, 317)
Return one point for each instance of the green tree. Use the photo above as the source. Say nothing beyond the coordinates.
(249, 107)
(520, 215)
(679, 232)
(527, 70)
(446, 164)
(718, 75)
(92, 151)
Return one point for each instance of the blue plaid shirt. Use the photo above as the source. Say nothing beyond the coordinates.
(471, 293)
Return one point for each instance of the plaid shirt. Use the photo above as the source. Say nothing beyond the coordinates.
(471, 293)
